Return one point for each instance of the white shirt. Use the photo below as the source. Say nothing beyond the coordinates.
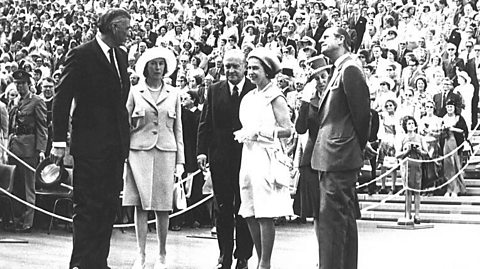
(239, 86)
(105, 48)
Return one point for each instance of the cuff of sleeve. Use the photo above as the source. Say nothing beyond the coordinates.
(59, 144)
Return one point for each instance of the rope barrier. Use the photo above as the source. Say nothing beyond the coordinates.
(441, 158)
(189, 177)
(383, 201)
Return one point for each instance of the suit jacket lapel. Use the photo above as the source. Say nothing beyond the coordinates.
(147, 96)
(336, 74)
(163, 94)
(101, 56)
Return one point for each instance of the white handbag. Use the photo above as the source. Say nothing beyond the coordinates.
(179, 198)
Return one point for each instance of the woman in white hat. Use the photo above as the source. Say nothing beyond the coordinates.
(465, 90)
(156, 148)
(264, 115)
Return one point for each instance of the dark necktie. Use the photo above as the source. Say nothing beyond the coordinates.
(112, 62)
(235, 108)
(332, 69)
(235, 96)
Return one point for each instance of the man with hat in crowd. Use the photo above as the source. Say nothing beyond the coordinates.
(28, 141)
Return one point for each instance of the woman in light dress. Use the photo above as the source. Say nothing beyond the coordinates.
(264, 115)
(156, 149)
(465, 89)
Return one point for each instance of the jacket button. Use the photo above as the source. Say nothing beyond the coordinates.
(154, 132)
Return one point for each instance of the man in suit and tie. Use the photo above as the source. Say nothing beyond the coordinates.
(217, 71)
(473, 70)
(150, 36)
(218, 122)
(95, 77)
(440, 99)
(451, 63)
(359, 23)
(344, 116)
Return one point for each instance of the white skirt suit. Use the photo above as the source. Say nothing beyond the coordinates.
(156, 146)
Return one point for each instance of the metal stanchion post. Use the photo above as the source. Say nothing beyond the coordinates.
(406, 222)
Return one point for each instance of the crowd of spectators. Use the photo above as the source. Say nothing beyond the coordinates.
(419, 56)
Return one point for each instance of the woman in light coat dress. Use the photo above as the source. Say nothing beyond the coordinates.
(156, 148)
(265, 118)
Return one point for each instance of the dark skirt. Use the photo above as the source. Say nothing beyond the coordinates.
(306, 203)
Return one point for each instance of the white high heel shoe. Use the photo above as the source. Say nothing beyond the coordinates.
(139, 263)
(159, 265)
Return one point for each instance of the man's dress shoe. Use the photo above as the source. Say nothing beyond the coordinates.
(242, 264)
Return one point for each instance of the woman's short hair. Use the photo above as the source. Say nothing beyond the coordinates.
(405, 121)
(195, 97)
(165, 69)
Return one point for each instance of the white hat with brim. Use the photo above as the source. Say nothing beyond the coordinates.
(154, 53)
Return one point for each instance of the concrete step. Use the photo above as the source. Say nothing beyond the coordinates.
(425, 217)
(461, 200)
(426, 208)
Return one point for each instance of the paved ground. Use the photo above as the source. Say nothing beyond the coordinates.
(446, 246)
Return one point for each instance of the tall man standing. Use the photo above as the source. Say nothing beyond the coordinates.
(96, 78)
(344, 116)
(28, 140)
(218, 122)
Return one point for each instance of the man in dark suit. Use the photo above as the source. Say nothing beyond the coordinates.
(218, 122)
(402, 51)
(451, 63)
(359, 23)
(344, 116)
(28, 140)
(440, 99)
(95, 77)
(473, 70)
(150, 36)
(317, 27)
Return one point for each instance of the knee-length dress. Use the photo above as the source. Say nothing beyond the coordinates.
(260, 197)
(156, 146)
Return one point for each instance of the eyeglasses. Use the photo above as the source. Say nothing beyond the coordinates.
(428, 106)
(361, 56)
(476, 49)
(403, 44)
(450, 49)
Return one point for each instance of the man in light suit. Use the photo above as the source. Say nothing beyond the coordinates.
(344, 116)
(218, 122)
(95, 77)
